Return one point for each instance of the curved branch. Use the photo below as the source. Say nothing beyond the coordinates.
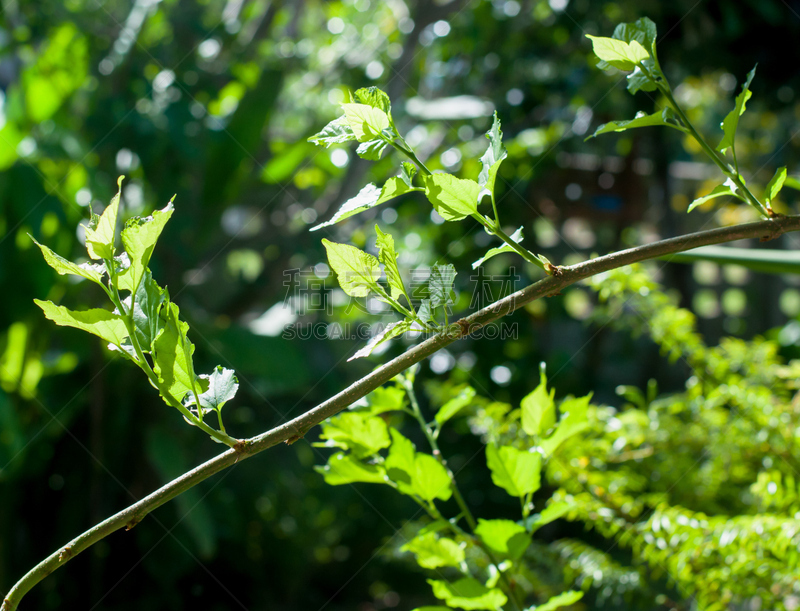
(295, 429)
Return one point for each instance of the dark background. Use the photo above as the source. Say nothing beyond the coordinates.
(213, 101)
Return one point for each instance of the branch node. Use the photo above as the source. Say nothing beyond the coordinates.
(133, 522)
(65, 554)
(294, 438)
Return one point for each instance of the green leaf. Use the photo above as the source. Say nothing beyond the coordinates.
(432, 608)
(372, 96)
(146, 309)
(358, 272)
(468, 593)
(386, 399)
(425, 311)
(516, 236)
(407, 173)
(139, 239)
(172, 359)
(367, 122)
(538, 409)
(100, 236)
(390, 331)
(731, 121)
(440, 285)
(372, 149)
(775, 184)
(433, 552)
(429, 479)
(644, 32)
(455, 405)
(102, 323)
(516, 471)
(562, 600)
(503, 537)
(642, 120)
(400, 461)
(369, 197)
(415, 473)
(345, 469)
(360, 432)
(453, 198)
(551, 513)
(493, 157)
(719, 191)
(622, 55)
(573, 421)
(337, 131)
(89, 271)
(222, 387)
(388, 256)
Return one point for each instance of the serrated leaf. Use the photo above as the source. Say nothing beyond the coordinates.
(337, 131)
(388, 256)
(102, 323)
(416, 473)
(562, 600)
(494, 155)
(425, 311)
(620, 54)
(644, 32)
(504, 537)
(433, 552)
(100, 235)
(369, 197)
(641, 120)
(468, 593)
(139, 238)
(516, 471)
(719, 191)
(455, 405)
(371, 150)
(440, 285)
(146, 309)
(372, 96)
(390, 331)
(367, 122)
(775, 184)
(453, 198)
(360, 432)
(358, 272)
(172, 358)
(516, 236)
(222, 387)
(573, 421)
(731, 121)
(345, 469)
(538, 409)
(64, 267)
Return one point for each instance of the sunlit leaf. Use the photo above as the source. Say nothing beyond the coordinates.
(433, 552)
(222, 387)
(358, 272)
(173, 352)
(390, 331)
(620, 54)
(367, 122)
(665, 117)
(369, 197)
(388, 256)
(518, 472)
(718, 191)
(89, 271)
(102, 323)
(516, 236)
(372, 149)
(139, 238)
(573, 421)
(538, 409)
(493, 157)
(453, 198)
(360, 432)
(556, 602)
(731, 121)
(372, 96)
(440, 285)
(503, 537)
(100, 236)
(346, 469)
(468, 593)
(455, 405)
(337, 131)
(775, 184)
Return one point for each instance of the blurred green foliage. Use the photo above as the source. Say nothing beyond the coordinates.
(213, 101)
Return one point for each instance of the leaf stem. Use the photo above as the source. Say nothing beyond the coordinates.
(408, 152)
(298, 427)
(495, 229)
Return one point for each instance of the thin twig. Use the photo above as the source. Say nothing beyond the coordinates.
(295, 429)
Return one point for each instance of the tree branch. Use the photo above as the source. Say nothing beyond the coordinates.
(295, 429)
